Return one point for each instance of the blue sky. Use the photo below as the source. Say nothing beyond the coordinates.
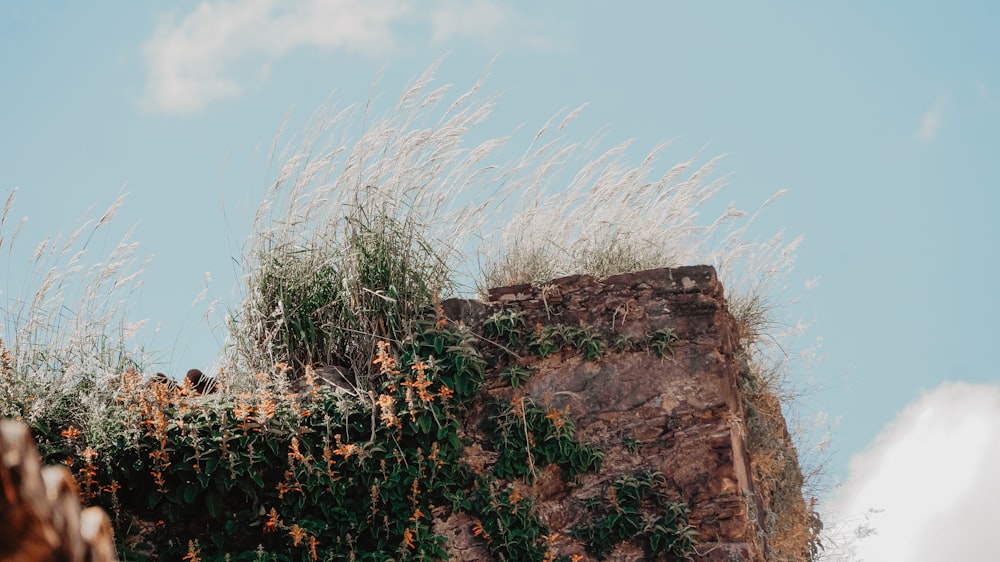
(881, 119)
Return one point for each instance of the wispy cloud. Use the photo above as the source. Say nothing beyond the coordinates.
(491, 24)
(210, 53)
(930, 478)
(932, 120)
(192, 61)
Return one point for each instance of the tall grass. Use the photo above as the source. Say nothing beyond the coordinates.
(357, 234)
(66, 328)
(407, 191)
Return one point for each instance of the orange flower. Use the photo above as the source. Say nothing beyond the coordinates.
(71, 433)
(89, 454)
(242, 411)
(265, 408)
(515, 497)
(293, 451)
(408, 538)
(421, 384)
(273, 521)
(445, 393)
(442, 320)
(192, 553)
(344, 449)
(385, 361)
(477, 530)
(297, 533)
(387, 404)
(557, 417)
(312, 547)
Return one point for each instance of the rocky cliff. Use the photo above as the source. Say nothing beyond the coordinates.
(676, 410)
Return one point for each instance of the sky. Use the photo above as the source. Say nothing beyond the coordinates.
(880, 119)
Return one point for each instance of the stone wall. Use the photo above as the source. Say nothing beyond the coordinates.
(681, 415)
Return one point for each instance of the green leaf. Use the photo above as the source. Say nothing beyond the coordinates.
(454, 442)
(424, 422)
(213, 502)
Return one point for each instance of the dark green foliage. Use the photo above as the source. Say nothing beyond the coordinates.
(662, 341)
(305, 294)
(515, 374)
(624, 342)
(329, 302)
(506, 328)
(636, 509)
(545, 341)
(529, 437)
(506, 522)
(295, 479)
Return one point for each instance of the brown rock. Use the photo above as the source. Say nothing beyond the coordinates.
(681, 413)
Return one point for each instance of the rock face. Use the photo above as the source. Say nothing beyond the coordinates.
(40, 514)
(680, 414)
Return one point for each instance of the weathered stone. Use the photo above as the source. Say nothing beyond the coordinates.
(40, 514)
(680, 414)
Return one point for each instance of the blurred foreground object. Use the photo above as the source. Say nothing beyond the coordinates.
(41, 518)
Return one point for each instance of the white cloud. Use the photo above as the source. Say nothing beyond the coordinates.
(489, 23)
(932, 120)
(208, 54)
(191, 62)
(930, 476)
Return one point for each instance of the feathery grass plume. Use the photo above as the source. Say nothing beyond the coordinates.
(358, 234)
(611, 217)
(66, 332)
(366, 224)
